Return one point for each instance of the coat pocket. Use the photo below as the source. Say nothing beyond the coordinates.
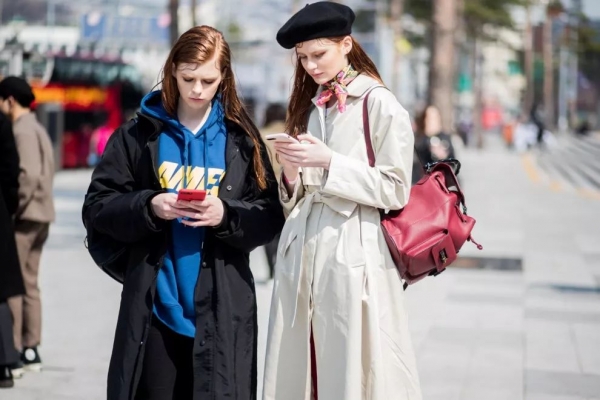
(350, 250)
(286, 240)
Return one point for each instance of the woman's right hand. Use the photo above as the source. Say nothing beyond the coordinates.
(290, 171)
(164, 206)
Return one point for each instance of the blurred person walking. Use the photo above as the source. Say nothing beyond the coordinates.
(187, 325)
(537, 118)
(34, 214)
(431, 142)
(274, 123)
(98, 142)
(11, 281)
(338, 327)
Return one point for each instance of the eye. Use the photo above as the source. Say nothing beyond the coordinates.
(302, 57)
(209, 82)
(187, 79)
(319, 55)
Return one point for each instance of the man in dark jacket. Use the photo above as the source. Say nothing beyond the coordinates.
(11, 281)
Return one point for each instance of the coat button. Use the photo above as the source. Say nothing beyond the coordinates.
(203, 264)
(229, 187)
(202, 343)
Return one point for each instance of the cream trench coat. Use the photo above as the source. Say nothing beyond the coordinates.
(334, 270)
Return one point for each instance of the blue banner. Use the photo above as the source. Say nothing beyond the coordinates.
(101, 27)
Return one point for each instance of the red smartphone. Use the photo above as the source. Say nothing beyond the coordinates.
(191, 194)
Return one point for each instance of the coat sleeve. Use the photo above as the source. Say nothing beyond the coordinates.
(9, 166)
(387, 184)
(289, 201)
(112, 205)
(30, 164)
(255, 219)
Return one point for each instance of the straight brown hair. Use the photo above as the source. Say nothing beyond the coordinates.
(196, 46)
(305, 87)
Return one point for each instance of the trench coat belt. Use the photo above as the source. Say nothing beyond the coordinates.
(341, 206)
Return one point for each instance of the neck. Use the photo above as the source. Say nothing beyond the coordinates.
(434, 130)
(18, 112)
(344, 77)
(192, 119)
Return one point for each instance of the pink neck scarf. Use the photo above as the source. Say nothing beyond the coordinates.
(338, 87)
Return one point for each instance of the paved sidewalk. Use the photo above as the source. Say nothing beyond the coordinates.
(530, 331)
(532, 334)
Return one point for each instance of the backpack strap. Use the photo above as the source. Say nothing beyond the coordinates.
(367, 130)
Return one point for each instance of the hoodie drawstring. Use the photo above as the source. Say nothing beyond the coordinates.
(206, 161)
(186, 146)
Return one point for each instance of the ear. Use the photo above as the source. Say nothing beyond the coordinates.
(347, 45)
(174, 70)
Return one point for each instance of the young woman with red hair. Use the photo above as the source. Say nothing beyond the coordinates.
(187, 324)
(338, 327)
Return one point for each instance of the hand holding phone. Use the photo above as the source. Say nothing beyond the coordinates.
(281, 137)
(191, 194)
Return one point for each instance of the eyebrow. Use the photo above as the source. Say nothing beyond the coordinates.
(310, 52)
(203, 75)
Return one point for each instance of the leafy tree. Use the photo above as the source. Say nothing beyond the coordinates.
(479, 20)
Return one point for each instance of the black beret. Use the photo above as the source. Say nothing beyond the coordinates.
(317, 20)
(17, 88)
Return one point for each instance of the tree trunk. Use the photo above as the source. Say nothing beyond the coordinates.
(396, 9)
(193, 11)
(441, 67)
(477, 63)
(174, 27)
(548, 73)
(528, 47)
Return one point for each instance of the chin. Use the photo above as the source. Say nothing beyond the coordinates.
(195, 104)
(322, 79)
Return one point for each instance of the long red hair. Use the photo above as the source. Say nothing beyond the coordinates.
(305, 87)
(198, 45)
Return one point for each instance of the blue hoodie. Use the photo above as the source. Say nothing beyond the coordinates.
(202, 156)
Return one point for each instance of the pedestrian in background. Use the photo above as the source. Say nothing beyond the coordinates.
(338, 327)
(274, 123)
(34, 214)
(187, 326)
(11, 281)
(431, 142)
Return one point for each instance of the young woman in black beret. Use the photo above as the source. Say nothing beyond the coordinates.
(338, 326)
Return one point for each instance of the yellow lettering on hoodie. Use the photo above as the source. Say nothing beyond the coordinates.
(171, 177)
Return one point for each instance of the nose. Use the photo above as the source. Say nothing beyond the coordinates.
(311, 65)
(197, 89)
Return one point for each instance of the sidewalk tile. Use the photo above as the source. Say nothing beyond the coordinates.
(549, 346)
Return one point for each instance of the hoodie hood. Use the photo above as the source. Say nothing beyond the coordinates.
(214, 126)
(152, 106)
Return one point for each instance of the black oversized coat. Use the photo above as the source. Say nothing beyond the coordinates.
(11, 280)
(117, 204)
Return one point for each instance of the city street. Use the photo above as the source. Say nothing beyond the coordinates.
(571, 165)
(520, 321)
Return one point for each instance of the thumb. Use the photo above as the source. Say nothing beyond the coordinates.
(309, 138)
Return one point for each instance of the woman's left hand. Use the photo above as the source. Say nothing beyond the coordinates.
(208, 212)
(310, 152)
